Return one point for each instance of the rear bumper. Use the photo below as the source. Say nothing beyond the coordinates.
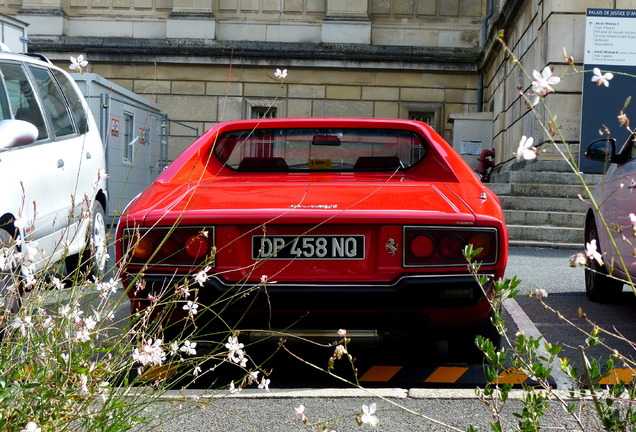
(411, 302)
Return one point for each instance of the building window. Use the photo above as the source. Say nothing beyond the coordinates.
(263, 112)
(129, 137)
(423, 116)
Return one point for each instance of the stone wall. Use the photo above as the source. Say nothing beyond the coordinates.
(201, 95)
(206, 61)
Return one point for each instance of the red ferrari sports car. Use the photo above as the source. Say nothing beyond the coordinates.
(311, 225)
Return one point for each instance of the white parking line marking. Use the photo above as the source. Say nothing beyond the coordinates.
(525, 324)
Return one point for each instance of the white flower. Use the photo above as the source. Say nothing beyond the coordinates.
(90, 323)
(591, 252)
(30, 279)
(540, 293)
(300, 411)
(342, 332)
(202, 276)
(22, 324)
(235, 351)
(252, 377)
(78, 63)
(31, 427)
(264, 384)
(57, 283)
(191, 307)
(151, 353)
(543, 82)
(632, 219)
(83, 335)
(601, 79)
(578, 260)
(281, 74)
(196, 371)
(233, 388)
(339, 351)
(188, 347)
(173, 348)
(525, 149)
(368, 415)
(107, 288)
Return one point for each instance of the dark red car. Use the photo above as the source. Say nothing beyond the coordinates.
(320, 224)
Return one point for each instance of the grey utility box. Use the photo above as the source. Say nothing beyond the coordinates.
(134, 131)
(472, 134)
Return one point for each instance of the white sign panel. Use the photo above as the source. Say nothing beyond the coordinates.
(610, 46)
(610, 37)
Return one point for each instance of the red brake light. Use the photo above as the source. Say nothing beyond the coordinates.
(422, 246)
(483, 242)
(434, 246)
(196, 246)
(183, 246)
(450, 246)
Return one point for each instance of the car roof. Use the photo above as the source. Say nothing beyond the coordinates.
(26, 57)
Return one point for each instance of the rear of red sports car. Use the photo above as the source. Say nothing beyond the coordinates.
(312, 225)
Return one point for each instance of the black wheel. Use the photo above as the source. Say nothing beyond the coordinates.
(462, 345)
(93, 260)
(598, 285)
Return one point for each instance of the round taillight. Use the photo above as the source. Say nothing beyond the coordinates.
(450, 246)
(196, 246)
(170, 246)
(481, 241)
(422, 246)
(142, 248)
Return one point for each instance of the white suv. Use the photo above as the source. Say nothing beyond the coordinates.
(52, 170)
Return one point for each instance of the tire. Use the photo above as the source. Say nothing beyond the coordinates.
(462, 346)
(93, 260)
(599, 287)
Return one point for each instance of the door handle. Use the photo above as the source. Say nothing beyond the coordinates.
(60, 163)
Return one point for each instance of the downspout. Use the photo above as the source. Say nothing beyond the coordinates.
(482, 44)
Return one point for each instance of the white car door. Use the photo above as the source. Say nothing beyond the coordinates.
(75, 147)
(35, 176)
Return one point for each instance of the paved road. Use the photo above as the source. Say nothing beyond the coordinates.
(257, 410)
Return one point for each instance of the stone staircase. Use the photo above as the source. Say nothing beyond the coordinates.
(541, 204)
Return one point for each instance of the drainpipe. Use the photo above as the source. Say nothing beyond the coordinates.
(482, 44)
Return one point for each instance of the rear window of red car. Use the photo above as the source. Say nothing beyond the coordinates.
(299, 149)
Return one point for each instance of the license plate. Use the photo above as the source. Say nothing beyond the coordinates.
(290, 247)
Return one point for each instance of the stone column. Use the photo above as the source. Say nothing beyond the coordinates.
(347, 21)
(191, 19)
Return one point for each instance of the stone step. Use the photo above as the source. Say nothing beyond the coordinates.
(574, 247)
(546, 234)
(553, 178)
(537, 165)
(547, 190)
(540, 217)
(550, 204)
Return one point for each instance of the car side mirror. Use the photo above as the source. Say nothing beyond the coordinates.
(16, 133)
(602, 150)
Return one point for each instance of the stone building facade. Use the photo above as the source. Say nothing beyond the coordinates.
(206, 61)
